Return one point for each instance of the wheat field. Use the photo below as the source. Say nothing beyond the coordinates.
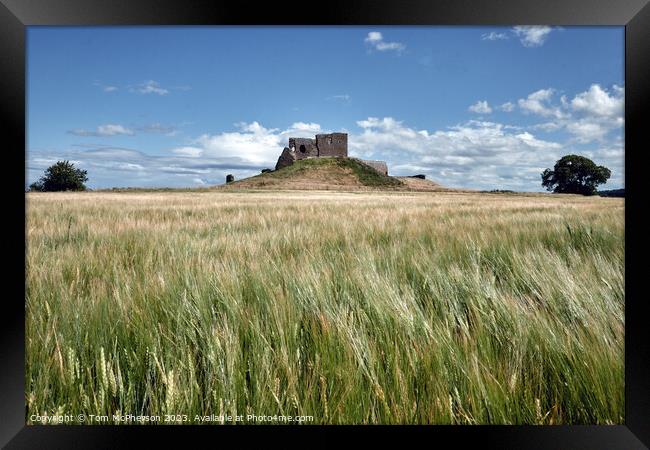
(351, 308)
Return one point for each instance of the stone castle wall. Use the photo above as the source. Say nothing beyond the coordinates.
(324, 145)
(333, 144)
(304, 148)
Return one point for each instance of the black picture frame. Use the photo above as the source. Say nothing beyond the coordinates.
(16, 15)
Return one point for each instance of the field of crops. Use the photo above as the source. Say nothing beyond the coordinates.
(437, 308)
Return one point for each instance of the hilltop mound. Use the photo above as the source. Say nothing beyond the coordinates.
(330, 174)
(320, 173)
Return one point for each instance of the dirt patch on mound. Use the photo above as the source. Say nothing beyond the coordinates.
(318, 177)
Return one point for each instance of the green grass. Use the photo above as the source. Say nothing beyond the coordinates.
(366, 174)
(351, 308)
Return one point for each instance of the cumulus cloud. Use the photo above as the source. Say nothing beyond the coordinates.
(586, 130)
(472, 138)
(480, 107)
(539, 102)
(251, 142)
(376, 41)
(599, 102)
(478, 154)
(532, 36)
(589, 116)
(475, 154)
(104, 131)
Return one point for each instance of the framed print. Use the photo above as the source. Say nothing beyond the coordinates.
(381, 218)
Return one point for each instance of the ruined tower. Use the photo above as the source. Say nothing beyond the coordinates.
(332, 145)
(324, 145)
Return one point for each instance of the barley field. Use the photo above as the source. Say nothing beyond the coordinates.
(351, 308)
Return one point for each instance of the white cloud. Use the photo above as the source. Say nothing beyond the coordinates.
(376, 41)
(112, 130)
(547, 126)
(105, 87)
(115, 130)
(494, 36)
(129, 167)
(481, 107)
(589, 116)
(150, 87)
(191, 152)
(507, 107)
(373, 37)
(302, 129)
(104, 130)
(479, 154)
(597, 101)
(146, 87)
(564, 102)
(586, 130)
(532, 36)
(387, 123)
(529, 36)
(253, 143)
(539, 102)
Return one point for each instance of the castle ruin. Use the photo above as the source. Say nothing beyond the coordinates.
(323, 146)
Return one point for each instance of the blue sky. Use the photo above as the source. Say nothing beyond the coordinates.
(474, 107)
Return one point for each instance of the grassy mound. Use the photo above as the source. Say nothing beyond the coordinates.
(322, 173)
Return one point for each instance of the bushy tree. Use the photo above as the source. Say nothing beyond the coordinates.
(62, 176)
(36, 186)
(574, 174)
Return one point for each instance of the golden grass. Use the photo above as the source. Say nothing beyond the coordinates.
(353, 307)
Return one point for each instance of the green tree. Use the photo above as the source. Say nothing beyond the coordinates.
(574, 174)
(62, 176)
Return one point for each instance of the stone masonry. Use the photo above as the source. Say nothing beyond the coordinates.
(324, 145)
